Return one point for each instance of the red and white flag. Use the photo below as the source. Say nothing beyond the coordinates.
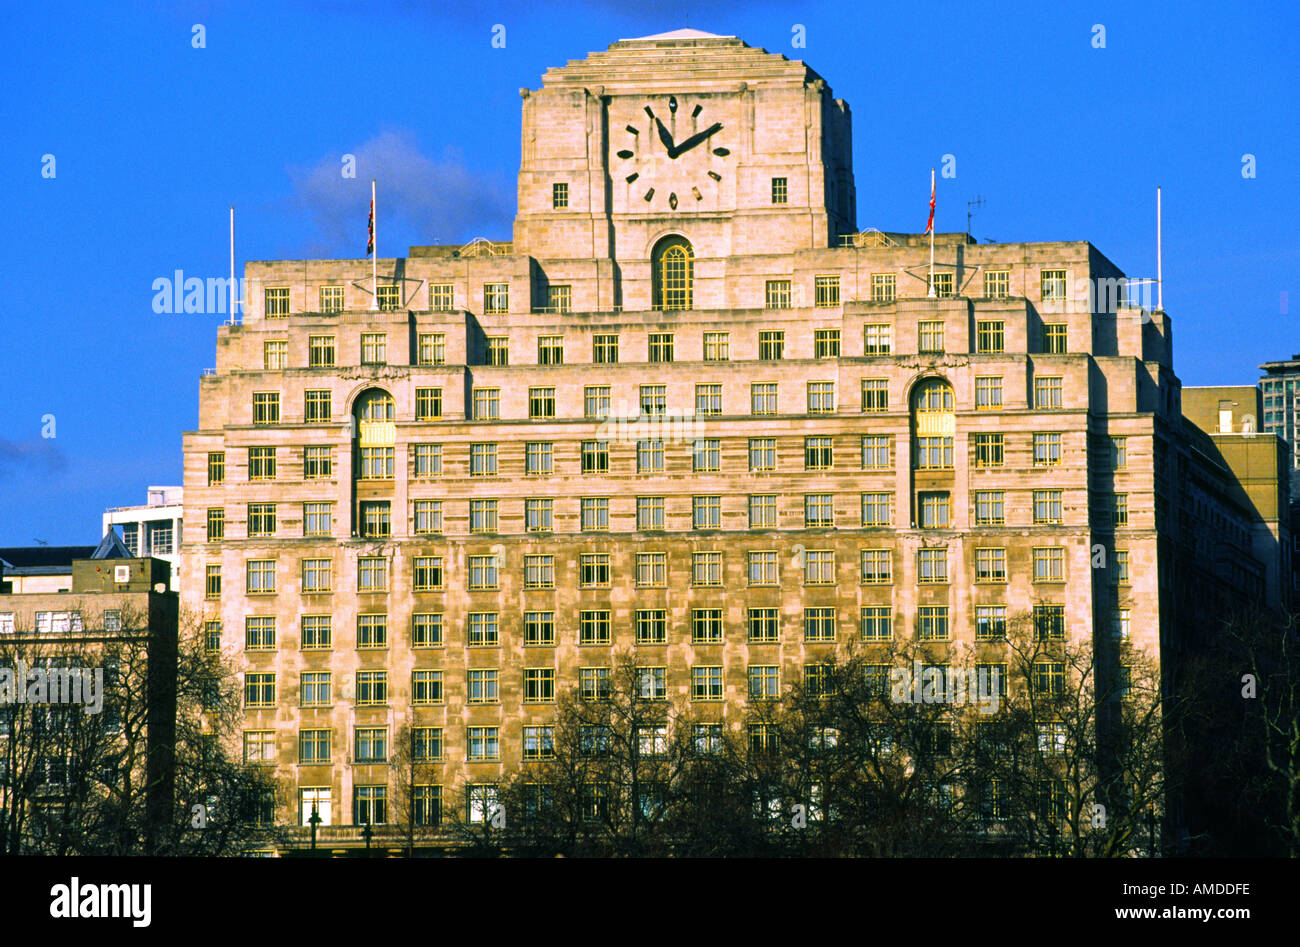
(370, 243)
(929, 224)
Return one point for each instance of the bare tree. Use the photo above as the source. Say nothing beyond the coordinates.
(151, 770)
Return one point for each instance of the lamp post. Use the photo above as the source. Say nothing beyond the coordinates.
(367, 833)
(314, 821)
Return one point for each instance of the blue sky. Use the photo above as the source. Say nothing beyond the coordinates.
(154, 139)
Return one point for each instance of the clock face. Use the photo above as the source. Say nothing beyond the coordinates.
(670, 156)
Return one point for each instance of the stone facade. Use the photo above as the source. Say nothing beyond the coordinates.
(862, 346)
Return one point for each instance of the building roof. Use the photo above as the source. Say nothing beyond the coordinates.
(111, 547)
(57, 560)
(41, 560)
(678, 34)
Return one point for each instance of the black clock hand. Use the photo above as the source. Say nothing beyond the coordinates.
(665, 137)
(695, 139)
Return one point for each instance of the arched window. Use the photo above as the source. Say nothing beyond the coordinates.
(933, 424)
(673, 265)
(375, 405)
(375, 435)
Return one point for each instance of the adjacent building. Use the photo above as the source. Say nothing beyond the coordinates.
(34, 569)
(153, 529)
(692, 411)
(71, 744)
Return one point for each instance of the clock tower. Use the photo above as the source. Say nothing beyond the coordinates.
(685, 140)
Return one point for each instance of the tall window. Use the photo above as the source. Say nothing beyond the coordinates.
(1049, 563)
(374, 348)
(762, 511)
(771, 344)
(875, 451)
(320, 351)
(997, 284)
(275, 355)
(441, 297)
(550, 350)
(661, 347)
(935, 510)
(277, 302)
(778, 294)
(487, 404)
(708, 399)
(1053, 284)
(826, 343)
(261, 463)
(266, 407)
(990, 564)
(762, 454)
(331, 299)
(826, 291)
(989, 508)
(496, 297)
(877, 509)
(932, 565)
(604, 349)
(316, 406)
(878, 338)
(877, 566)
(498, 350)
(541, 403)
(673, 263)
(428, 404)
(875, 394)
(431, 348)
(932, 405)
(1047, 391)
(1047, 506)
(883, 287)
(821, 397)
(1047, 449)
(988, 392)
(990, 336)
(780, 191)
(650, 513)
(560, 195)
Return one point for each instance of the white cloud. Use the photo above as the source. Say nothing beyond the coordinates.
(420, 199)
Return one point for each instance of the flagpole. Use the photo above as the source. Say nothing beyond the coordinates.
(374, 250)
(1160, 275)
(931, 293)
(232, 264)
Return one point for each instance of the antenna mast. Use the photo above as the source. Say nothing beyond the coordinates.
(971, 207)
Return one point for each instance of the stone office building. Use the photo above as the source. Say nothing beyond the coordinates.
(691, 410)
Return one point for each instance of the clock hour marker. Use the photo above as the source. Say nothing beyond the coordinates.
(696, 192)
(625, 153)
(649, 111)
(672, 200)
(650, 194)
(672, 103)
(633, 129)
(695, 112)
(632, 177)
(715, 175)
(722, 152)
